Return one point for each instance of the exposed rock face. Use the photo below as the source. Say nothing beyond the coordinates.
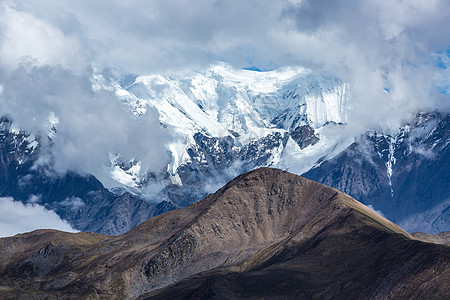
(304, 136)
(266, 233)
(230, 121)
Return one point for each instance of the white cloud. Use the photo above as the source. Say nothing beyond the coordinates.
(73, 202)
(34, 199)
(142, 36)
(91, 124)
(27, 38)
(16, 217)
(375, 210)
(48, 48)
(374, 44)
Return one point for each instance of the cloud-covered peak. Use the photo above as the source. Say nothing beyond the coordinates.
(48, 51)
(372, 45)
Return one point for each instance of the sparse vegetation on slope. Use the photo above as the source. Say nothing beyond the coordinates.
(266, 233)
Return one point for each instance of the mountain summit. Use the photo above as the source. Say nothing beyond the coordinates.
(267, 233)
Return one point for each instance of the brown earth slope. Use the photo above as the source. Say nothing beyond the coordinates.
(267, 233)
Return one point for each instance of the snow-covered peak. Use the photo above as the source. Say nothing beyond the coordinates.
(241, 108)
(246, 102)
(255, 81)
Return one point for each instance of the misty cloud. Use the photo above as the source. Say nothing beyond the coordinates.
(142, 36)
(376, 45)
(372, 44)
(16, 217)
(48, 51)
(375, 210)
(27, 38)
(74, 203)
(89, 124)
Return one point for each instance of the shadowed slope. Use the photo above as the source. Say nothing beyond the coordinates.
(267, 232)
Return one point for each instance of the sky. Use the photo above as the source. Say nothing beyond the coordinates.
(50, 51)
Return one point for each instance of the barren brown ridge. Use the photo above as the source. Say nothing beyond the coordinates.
(266, 234)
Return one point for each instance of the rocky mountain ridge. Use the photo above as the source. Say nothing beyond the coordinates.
(227, 122)
(316, 240)
(252, 114)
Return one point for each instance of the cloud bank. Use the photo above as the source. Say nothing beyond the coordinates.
(16, 217)
(387, 50)
(89, 124)
(393, 53)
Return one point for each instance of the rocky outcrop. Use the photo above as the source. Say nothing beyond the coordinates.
(304, 136)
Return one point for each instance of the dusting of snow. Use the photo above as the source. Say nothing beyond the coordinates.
(276, 154)
(329, 106)
(138, 106)
(179, 156)
(33, 144)
(223, 98)
(130, 177)
(53, 122)
(175, 179)
(123, 177)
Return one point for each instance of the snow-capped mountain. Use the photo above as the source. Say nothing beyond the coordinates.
(225, 121)
(229, 120)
